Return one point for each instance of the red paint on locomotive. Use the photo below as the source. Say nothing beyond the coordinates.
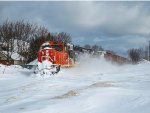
(57, 53)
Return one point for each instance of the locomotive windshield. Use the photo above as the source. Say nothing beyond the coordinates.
(57, 47)
(44, 46)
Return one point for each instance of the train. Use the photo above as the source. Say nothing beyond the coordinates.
(54, 55)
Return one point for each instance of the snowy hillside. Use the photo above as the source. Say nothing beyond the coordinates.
(93, 86)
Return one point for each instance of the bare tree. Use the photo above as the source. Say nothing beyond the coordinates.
(16, 36)
(95, 47)
(100, 48)
(7, 36)
(64, 37)
(135, 55)
(30, 32)
(87, 46)
(40, 31)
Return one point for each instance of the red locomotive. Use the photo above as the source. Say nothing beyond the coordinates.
(52, 56)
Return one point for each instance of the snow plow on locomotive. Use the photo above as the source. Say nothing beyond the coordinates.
(52, 56)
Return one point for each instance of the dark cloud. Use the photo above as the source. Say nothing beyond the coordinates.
(105, 23)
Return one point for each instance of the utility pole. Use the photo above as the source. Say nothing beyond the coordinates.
(148, 52)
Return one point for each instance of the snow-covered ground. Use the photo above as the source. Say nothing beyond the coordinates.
(93, 86)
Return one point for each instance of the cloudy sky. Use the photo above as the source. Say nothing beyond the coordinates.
(116, 26)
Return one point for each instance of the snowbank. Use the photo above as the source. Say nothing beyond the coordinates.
(10, 71)
(93, 86)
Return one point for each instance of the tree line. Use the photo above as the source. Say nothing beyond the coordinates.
(94, 47)
(25, 38)
(138, 54)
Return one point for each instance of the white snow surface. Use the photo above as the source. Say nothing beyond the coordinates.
(93, 86)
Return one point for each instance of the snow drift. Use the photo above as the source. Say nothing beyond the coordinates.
(93, 86)
(88, 65)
